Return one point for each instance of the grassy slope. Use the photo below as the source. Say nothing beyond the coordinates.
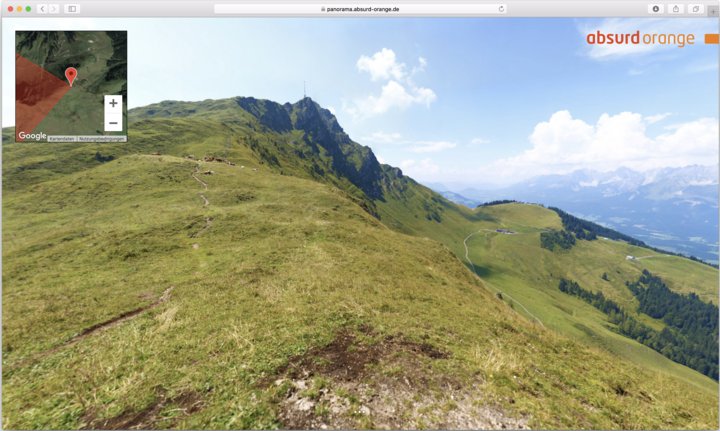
(203, 128)
(285, 263)
(517, 265)
(404, 212)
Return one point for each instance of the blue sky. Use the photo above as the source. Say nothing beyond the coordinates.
(469, 100)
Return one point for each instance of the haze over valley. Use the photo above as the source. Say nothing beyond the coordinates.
(669, 208)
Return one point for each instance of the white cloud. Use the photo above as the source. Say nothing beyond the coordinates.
(380, 159)
(420, 68)
(393, 95)
(384, 138)
(331, 109)
(623, 26)
(564, 144)
(424, 96)
(409, 167)
(429, 146)
(694, 142)
(382, 65)
(655, 118)
(478, 141)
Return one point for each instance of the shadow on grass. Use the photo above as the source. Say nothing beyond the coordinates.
(482, 272)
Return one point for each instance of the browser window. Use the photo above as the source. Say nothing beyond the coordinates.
(470, 214)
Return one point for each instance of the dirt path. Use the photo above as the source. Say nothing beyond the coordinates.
(485, 282)
(207, 202)
(115, 321)
(201, 182)
(648, 257)
(208, 222)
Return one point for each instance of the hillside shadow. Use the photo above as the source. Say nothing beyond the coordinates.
(481, 272)
(477, 216)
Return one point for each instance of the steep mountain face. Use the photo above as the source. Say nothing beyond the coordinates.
(269, 113)
(320, 131)
(353, 161)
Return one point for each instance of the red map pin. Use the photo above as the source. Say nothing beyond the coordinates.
(71, 74)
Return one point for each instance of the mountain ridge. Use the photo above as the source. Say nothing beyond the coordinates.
(238, 286)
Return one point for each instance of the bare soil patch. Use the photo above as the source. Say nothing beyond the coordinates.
(149, 417)
(389, 383)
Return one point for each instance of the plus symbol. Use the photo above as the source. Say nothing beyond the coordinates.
(113, 103)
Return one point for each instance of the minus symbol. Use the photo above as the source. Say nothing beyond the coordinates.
(113, 122)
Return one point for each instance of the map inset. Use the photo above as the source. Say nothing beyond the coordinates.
(47, 105)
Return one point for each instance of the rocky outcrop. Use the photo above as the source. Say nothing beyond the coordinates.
(271, 114)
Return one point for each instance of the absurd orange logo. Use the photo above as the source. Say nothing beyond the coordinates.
(635, 38)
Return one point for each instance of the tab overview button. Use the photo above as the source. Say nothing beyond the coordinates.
(72, 8)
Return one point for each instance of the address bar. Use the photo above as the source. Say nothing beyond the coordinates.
(361, 9)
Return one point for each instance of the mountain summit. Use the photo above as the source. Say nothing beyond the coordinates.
(306, 140)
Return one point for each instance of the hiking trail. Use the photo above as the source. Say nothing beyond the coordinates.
(115, 321)
(208, 222)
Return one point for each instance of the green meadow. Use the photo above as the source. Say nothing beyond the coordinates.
(518, 265)
(320, 285)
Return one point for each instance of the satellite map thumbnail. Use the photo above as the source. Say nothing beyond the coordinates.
(62, 78)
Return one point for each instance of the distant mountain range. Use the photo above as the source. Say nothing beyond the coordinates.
(458, 198)
(671, 208)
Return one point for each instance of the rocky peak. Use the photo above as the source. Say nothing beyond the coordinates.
(306, 115)
(271, 114)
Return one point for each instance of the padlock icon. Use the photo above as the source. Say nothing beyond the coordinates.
(676, 9)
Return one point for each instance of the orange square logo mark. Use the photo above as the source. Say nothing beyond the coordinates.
(711, 38)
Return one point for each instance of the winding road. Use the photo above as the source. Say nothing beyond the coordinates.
(647, 257)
